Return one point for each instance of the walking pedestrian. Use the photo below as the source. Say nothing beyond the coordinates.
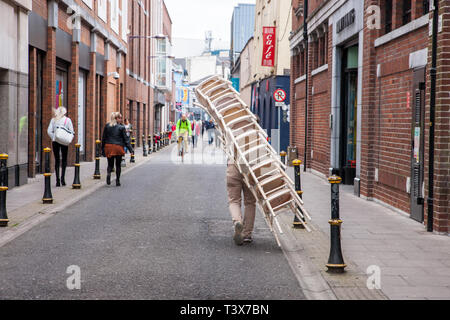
(193, 126)
(128, 128)
(114, 139)
(198, 129)
(243, 228)
(204, 124)
(60, 130)
(210, 131)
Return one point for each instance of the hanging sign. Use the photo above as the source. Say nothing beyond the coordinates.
(269, 38)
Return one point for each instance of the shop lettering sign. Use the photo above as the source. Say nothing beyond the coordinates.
(269, 40)
(346, 21)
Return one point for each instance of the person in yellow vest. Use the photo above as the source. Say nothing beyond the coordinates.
(184, 129)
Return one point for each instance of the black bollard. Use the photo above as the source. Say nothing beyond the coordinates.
(144, 147)
(149, 143)
(298, 187)
(335, 261)
(133, 145)
(3, 188)
(76, 179)
(97, 174)
(48, 197)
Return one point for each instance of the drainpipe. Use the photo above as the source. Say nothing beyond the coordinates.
(305, 37)
(432, 117)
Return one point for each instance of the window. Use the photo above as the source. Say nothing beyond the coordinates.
(302, 63)
(316, 54)
(388, 16)
(322, 51)
(406, 12)
(426, 6)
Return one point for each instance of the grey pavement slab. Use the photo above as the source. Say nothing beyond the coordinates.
(414, 263)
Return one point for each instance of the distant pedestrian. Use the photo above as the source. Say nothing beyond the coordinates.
(60, 130)
(128, 128)
(114, 139)
(210, 131)
(204, 125)
(198, 130)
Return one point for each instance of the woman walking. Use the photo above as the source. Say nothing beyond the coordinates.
(60, 147)
(114, 139)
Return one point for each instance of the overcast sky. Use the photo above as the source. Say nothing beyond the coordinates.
(191, 18)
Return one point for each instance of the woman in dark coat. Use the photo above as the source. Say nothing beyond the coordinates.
(114, 139)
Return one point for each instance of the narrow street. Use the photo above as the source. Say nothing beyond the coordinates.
(165, 233)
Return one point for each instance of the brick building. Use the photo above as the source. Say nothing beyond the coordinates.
(362, 89)
(139, 102)
(77, 59)
(13, 88)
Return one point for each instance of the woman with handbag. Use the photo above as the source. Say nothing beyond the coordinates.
(60, 130)
(114, 139)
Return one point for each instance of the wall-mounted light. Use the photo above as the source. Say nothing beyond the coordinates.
(114, 74)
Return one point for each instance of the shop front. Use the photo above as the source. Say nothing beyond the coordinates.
(346, 93)
(274, 117)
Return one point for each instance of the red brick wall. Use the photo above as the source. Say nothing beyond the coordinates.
(441, 212)
(393, 150)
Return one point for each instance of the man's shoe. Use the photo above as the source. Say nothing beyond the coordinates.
(117, 182)
(238, 227)
(108, 179)
(58, 183)
(63, 181)
(248, 239)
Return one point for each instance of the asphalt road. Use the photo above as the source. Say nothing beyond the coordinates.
(165, 233)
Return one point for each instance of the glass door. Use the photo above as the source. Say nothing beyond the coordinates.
(349, 111)
(81, 109)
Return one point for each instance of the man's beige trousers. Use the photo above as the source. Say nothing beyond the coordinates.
(236, 186)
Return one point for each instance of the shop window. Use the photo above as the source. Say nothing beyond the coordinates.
(388, 16)
(61, 89)
(406, 12)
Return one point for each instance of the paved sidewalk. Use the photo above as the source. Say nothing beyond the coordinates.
(414, 264)
(25, 202)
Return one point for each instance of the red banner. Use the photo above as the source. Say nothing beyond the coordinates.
(269, 40)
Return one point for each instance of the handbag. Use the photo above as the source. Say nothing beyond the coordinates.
(63, 135)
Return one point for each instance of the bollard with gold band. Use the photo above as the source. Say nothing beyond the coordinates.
(335, 261)
(97, 174)
(48, 197)
(76, 179)
(144, 147)
(298, 187)
(3, 188)
(283, 157)
(133, 145)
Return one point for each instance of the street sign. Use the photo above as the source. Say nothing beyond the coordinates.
(279, 95)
